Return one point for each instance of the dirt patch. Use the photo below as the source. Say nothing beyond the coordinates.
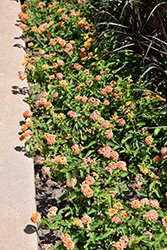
(47, 193)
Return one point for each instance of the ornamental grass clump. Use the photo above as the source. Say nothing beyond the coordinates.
(96, 131)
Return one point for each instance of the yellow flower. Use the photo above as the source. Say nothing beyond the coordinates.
(86, 37)
(144, 170)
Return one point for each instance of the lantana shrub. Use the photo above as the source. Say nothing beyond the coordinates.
(99, 134)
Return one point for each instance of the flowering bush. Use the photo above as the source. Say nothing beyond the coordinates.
(98, 132)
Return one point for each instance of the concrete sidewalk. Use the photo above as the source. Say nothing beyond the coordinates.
(17, 191)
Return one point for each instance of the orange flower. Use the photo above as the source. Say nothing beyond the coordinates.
(124, 214)
(62, 160)
(23, 127)
(149, 139)
(73, 182)
(135, 204)
(60, 116)
(88, 192)
(35, 217)
(41, 52)
(27, 114)
(61, 41)
(78, 223)
(45, 66)
(22, 75)
(59, 75)
(51, 23)
(24, 135)
(63, 83)
(59, 11)
(75, 149)
(48, 105)
(30, 44)
(106, 103)
(156, 159)
(52, 41)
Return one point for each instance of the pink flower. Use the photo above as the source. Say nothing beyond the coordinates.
(149, 234)
(52, 41)
(51, 77)
(78, 223)
(84, 99)
(86, 219)
(108, 89)
(89, 180)
(60, 62)
(144, 201)
(44, 94)
(55, 65)
(116, 220)
(114, 155)
(112, 165)
(121, 165)
(71, 114)
(87, 191)
(121, 122)
(164, 221)
(154, 204)
(45, 170)
(95, 115)
(163, 150)
(151, 215)
(109, 134)
(77, 66)
(56, 95)
(103, 92)
(98, 78)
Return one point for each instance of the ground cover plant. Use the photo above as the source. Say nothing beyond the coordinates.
(99, 133)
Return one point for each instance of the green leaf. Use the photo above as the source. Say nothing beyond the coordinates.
(126, 138)
(89, 153)
(105, 235)
(151, 186)
(57, 244)
(68, 176)
(158, 193)
(157, 130)
(92, 237)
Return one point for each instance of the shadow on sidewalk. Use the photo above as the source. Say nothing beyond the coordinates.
(22, 149)
(16, 90)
